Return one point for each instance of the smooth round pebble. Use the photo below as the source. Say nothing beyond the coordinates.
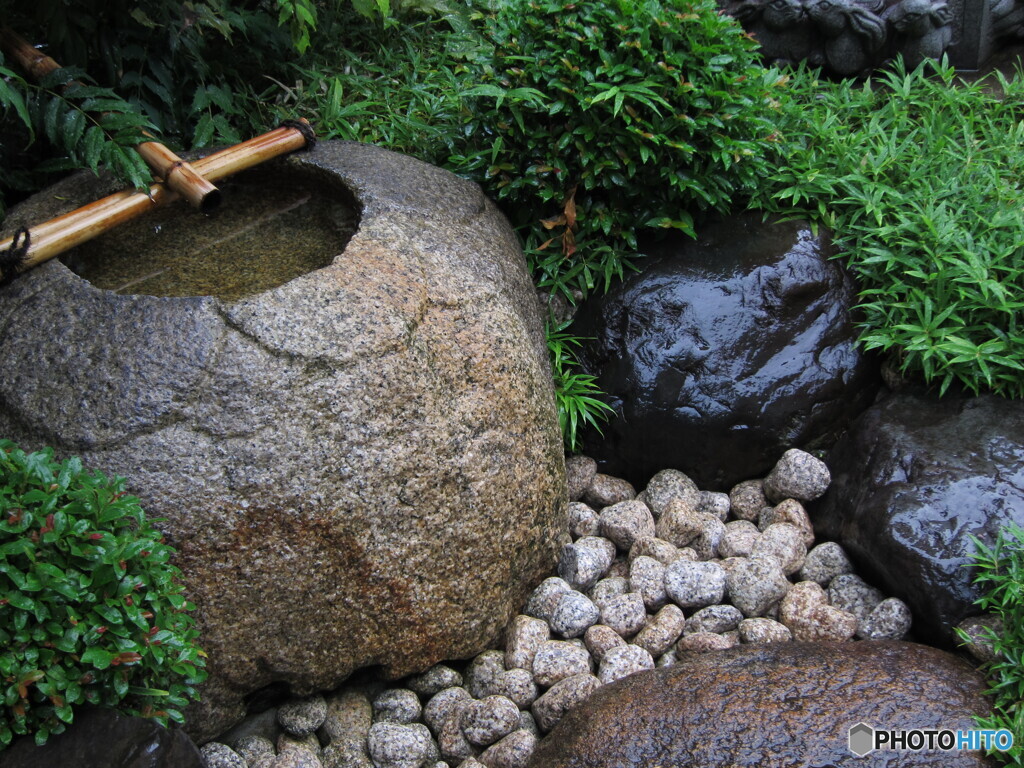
(297, 758)
(693, 585)
(583, 520)
(789, 511)
(542, 601)
(647, 577)
(755, 585)
(253, 746)
(715, 503)
(525, 636)
(663, 551)
(579, 474)
(625, 614)
(747, 499)
(558, 659)
(669, 484)
(890, 620)
(625, 522)
(217, 755)
(445, 707)
(661, 631)
(703, 642)
(824, 562)
(563, 696)
(397, 705)
(517, 685)
(584, 561)
(574, 613)
(301, 717)
(605, 490)
(487, 720)
(398, 745)
(762, 630)
(797, 475)
(849, 592)
(608, 588)
(783, 542)
(437, 678)
(600, 639)
(714, 618)
(512, 751)
(623, 661)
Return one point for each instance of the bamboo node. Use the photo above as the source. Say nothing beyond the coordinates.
(305, 129)
(14, 258)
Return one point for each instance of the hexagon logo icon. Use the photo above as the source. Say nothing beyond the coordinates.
(862, 739)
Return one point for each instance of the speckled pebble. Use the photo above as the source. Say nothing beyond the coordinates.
(253, 746)
(703, 642)
(608, 588)
(579, 474)
(714, 618)
(345, 755)
(525, 636)
(288, 743)
(849, 592)
(762, 630)
(755, 585)
(574, 613)
(667, 485)
(563, 695)
(517, 685)
(397, 705)
(890, 620)
(738, 538)
(600, 639)
(217, 755)
(664, 552)
(667, 659)
(512, 751)
(445, 707)
(623, 661)
(789, 511)
(709, 538)
(747, 499)
(680, 522)
(471, 762)
(625, 522)
(583, 520)
(824, 562)
(558, 659)
(396, 745)
(584, 561)
(301, 717)
(783, 542)
(662, 631)
(647, 577)
(484, 722)
(545, 597)
(797, 475)
(437, 678)
(805, 610)
(482, 671)
(297, 758)
(605, 490)
(267, 761)
(694, 585)
(625, 614)
(978, 629)
(715, 503)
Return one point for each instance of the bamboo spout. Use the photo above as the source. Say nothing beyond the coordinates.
(178, 174)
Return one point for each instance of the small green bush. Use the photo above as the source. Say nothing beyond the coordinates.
(1000, 570)
(606, 116)
(919, 177)
(90, 611)
(576, 394)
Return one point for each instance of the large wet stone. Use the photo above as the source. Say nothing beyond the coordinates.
(331, 454)
(103, 738)
(913, 480)
(784, 704)
(724, 353)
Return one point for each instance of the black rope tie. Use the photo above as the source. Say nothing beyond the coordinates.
(14, 257)
(305, 129)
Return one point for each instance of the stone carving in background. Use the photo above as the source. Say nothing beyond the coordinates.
(846, 37)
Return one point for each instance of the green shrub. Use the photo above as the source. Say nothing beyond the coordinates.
(576, 394)
(605, 116)
(919, 177)
(1000, 570)
(90, 611)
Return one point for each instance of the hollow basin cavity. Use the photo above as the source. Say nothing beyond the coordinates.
(274, 225)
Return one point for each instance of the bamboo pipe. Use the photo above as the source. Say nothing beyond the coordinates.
(178, 174)
(57, 235)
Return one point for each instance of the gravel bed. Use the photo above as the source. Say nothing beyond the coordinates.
(643, 579)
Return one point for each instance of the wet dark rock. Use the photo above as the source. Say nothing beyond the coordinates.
(103, 738)
(724, 353)
(913, 480)
(785, 704)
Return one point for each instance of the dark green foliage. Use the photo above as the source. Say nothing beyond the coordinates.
(919, 176)
(575, 393)
(90, 610)
(1000, 571)
(606, 117)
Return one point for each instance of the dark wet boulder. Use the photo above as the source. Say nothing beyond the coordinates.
(103, 738)
(785, 704)
(724, 353)
(913, 480)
